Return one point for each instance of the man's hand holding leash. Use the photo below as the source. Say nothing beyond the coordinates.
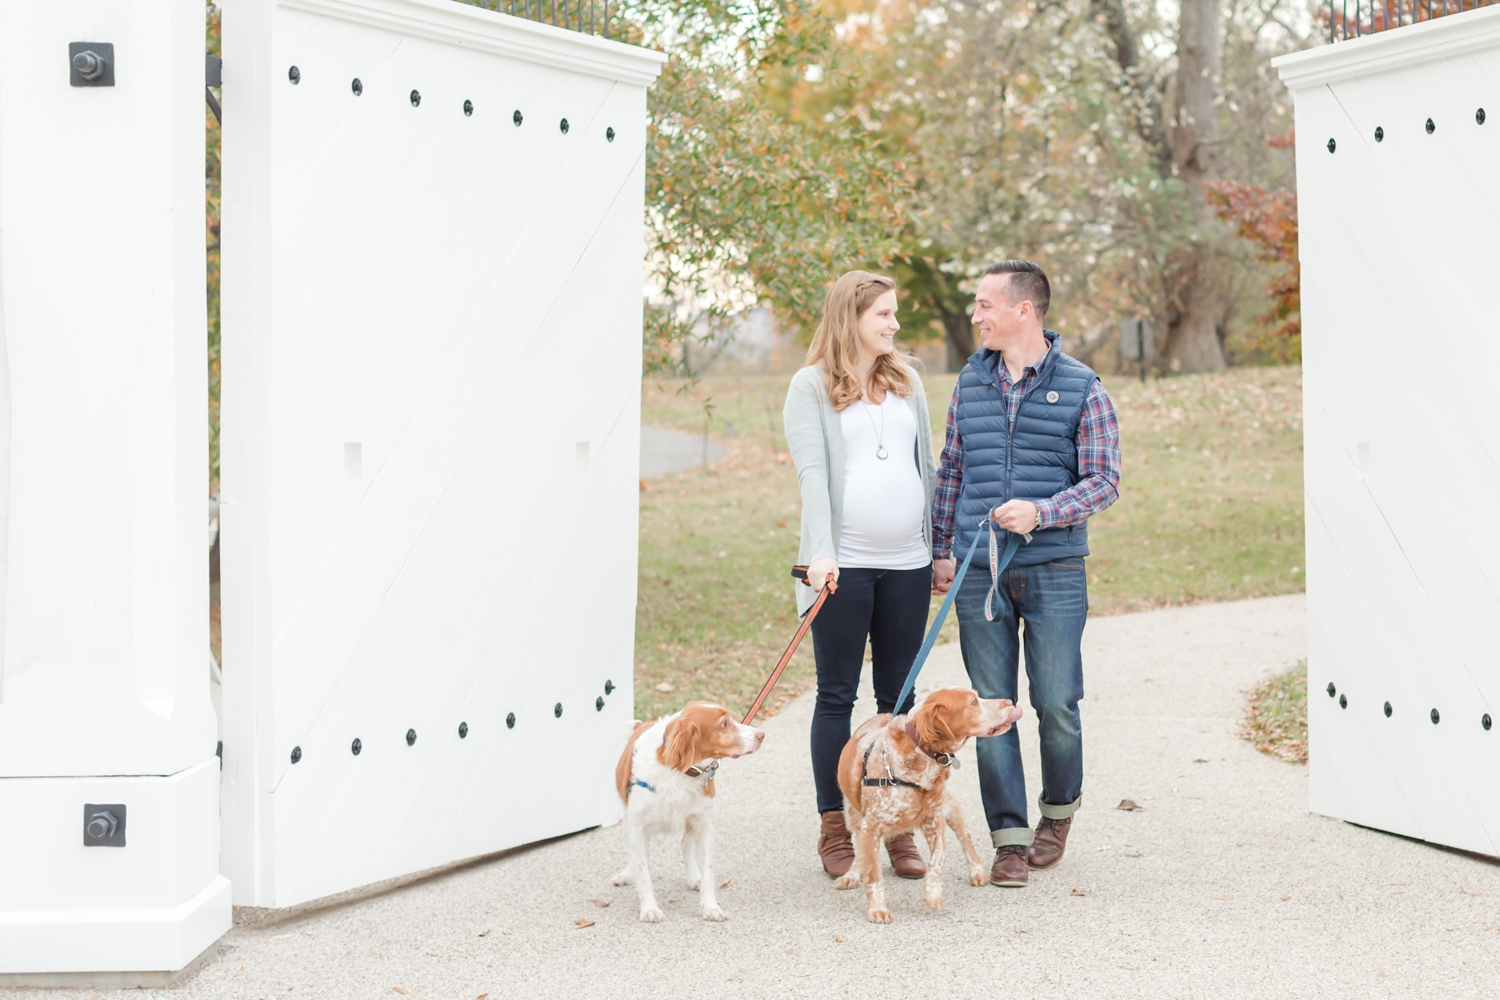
(1020, 516)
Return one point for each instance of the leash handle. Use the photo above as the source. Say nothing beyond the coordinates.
(800, 572)
(1011, 544)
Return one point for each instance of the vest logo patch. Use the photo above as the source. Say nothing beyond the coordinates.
(1052, 396)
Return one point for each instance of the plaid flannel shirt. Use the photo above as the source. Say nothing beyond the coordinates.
(1098, 442)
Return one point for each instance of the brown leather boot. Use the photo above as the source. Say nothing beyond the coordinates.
(1009, 869)
(905, 860)
(834, 844)
(1047, 847)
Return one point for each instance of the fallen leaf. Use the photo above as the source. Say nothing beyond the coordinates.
(485, 932)
(1285, 898)
(1022, 930)
(665, 686)
(481, 996)
(725, 884)
(1078, 892)
(601, 903)
(581, 923)
(433, 954)
(405, 993)
(1222, 899)
(781, 524)
(1380, 970)
(1129, 806)
(1199, 760)
(838, 939)
(1466, 892)
(670, 958)
(240, 971)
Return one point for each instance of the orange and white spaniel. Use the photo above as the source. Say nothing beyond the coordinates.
(894, 775)
(666, 779)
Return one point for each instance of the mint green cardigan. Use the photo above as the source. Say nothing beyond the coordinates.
(815, 438)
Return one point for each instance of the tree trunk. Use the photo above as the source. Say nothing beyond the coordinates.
(960, 339)
(1198, 291)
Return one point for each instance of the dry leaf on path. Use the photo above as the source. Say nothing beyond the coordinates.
(240, 971)
(838, 939)
(670, 958)
(485, 932)
(581, 923)
(405, 993)
(601, 903)
(1129, 806)
(725, 884)
(1285, 898)
(481, 996)
(1466, 892)
(1078, 892)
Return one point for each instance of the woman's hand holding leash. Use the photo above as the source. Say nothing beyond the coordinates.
(819, 570)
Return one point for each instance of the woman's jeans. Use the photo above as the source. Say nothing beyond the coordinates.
(1052, 599)
(887, 606)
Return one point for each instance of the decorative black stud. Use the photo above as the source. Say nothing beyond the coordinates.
(1484, 720)
(1387, 710)
(1379, 133)
(563, 126)
(609, 687)
(516, 118)
(468, 109)
(463, 730)
(296, 754)
(416, 98)
(609, 133)
(1332, 690)
(1343, 701)
(599, 704)
(411, 737)
(356, 747)
(557, 710)
(356, 86)
(1433, 715)
(1479, 117)
(1332, 145)
(295, 75)
(510, 721)
(1431, 128)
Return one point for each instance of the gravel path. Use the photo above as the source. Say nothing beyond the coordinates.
(1223, 886)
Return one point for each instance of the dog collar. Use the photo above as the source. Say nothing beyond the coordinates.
(706, 772)
(642, 784)
(947, 760)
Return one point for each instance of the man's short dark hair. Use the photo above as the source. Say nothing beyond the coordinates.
(1027, 281)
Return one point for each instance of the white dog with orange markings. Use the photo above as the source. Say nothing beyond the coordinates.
(666, 779)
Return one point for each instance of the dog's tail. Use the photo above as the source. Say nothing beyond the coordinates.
(622, 769)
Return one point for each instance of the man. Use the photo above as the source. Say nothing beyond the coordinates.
(1034, 445)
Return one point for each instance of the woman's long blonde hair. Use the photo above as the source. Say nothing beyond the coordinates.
(835, 346)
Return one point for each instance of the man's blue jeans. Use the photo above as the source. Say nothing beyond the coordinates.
(1052, 599)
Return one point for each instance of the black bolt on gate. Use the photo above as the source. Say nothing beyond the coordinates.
(463, 730)
(1479, 117)
(295, 75)
(1484, 720)
(411, 737)
(557, 710)
(1332, 145)
(510, 721)
(1379, 133)
(1387, 710)
(416, 98)
(356, 746)
(563, 126)
(609, 687)
(1332, 690)
(296, 754)
(1431, 128)
(1433, 715)
(599, 704)
(517, 118)
(356, 86)
(609, 133)
(468, 109)
(1343, 701)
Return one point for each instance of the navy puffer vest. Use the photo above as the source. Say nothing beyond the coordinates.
(1034, 460)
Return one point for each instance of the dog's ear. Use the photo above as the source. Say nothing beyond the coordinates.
(932, 725)
(680, 743)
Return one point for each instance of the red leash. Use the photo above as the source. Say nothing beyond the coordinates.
(829, 586)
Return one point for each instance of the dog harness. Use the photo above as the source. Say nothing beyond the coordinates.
(890, 778)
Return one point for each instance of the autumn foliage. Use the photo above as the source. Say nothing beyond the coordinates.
(1268, 219)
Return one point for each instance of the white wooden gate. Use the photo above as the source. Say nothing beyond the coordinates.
(1398, 140)
(432, 336)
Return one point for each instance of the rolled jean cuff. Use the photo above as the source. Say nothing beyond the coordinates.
(1011, 835)
(1064, 811)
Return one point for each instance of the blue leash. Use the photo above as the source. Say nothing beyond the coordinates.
(997, 566)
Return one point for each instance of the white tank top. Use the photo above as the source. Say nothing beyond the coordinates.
(884, 503)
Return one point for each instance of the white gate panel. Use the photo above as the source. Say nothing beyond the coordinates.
(431, 427)
(1401, 366)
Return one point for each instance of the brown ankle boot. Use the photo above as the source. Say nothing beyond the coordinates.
(834, 844)
(905, 860)
(1009, 869)
(1047, 848)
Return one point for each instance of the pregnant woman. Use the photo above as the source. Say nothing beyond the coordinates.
(857, 428)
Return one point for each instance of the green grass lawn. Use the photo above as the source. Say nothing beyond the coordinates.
(1210, 509)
